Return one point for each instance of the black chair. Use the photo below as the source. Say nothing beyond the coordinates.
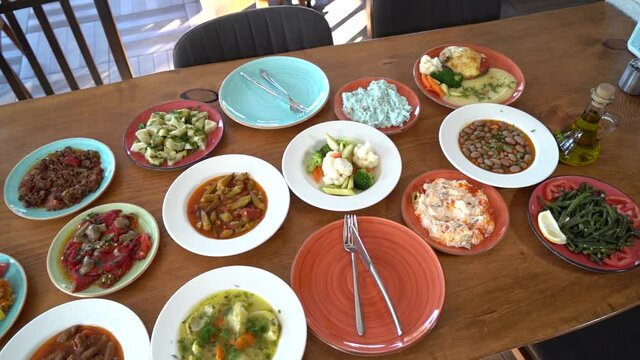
(395, 17)
(252, 33)
(615, 338)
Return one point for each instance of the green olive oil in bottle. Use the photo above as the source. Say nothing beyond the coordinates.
(579, 144)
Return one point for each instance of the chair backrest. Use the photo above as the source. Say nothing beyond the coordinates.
(8, 8)
(252, 33)
(394, 17)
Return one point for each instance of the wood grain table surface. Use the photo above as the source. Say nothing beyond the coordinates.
(515, 294)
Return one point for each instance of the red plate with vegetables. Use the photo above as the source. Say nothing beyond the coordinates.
(454, 75)
(103, 249)
(595, 226)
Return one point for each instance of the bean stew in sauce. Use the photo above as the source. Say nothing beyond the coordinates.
(496, 146)
(227, 206)
(80, 342)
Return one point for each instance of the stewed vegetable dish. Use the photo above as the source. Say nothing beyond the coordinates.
(103, 249)
(230, 325)
(496, 146)
(81, 342)
(227, 206)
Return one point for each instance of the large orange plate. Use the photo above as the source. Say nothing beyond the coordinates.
(496, 60)
(498, 206)
(322, 278)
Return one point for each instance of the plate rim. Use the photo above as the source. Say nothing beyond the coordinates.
(59, 237)
(23, 277)
(450, 249)
(545, 242)
(109, 175)
(278, 217)
(551, 153)
(392, 130)
(214, 144)
(394, 177)
(258, 272)
(227, 112)
(515, 96)
(62, 307)
(429, 250)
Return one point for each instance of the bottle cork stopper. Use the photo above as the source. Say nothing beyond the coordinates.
(605, 91)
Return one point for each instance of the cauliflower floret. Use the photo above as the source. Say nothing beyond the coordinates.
(336, 169)
(364, 157)
(430, 65)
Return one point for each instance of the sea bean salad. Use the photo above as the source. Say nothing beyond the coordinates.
(496, 146)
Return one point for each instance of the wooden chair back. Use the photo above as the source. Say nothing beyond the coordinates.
(7, 9)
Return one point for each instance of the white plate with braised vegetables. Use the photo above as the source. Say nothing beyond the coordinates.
(498, 145)
(226, 205)
(234, 312)
(341, 166)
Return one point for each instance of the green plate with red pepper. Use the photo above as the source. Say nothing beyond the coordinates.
(103, 250)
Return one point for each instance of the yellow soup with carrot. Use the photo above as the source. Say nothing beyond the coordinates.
(230, 325)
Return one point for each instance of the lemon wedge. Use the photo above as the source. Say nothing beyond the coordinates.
(550, 228)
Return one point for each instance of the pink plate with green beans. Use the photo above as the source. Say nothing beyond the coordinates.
(498, 145)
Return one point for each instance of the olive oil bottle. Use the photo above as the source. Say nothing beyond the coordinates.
(579, 143)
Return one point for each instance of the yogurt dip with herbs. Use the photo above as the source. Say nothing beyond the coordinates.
(380, 105)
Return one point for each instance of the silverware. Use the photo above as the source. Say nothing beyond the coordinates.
(292, 106)
(268, 77)
(349, 245)
(369, 264)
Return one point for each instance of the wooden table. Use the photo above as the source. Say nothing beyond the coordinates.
(515, 294)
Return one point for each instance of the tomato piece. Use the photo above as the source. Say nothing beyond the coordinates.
(3, 269)
(142, 247)
(554, 188)
(72, 160)
(626, 207)
(484, 65)
(622, 258)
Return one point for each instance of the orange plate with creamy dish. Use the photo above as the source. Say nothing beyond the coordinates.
(491, 211)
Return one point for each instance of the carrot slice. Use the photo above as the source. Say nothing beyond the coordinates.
(317, 174)
(219, 353)
(219, 322)
(246, 340)
(425, 81)
(435, 87)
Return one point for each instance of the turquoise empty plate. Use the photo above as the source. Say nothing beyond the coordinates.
(249, 105)
(12, 183)
(18, 281)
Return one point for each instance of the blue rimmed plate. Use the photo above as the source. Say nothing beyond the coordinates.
(11, 184)
(251, 106)
(18, 280)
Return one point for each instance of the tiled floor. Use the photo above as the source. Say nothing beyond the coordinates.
(150, 28)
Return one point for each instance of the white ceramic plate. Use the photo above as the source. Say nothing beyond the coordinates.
(123, 323)
(174, 208)
(59, 275)
(546, 149)
(293, 337)
(302, 184)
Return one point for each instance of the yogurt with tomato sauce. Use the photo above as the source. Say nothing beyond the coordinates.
(454, 212)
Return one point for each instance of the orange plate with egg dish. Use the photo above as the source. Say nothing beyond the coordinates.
(454, 213)
(454, 75)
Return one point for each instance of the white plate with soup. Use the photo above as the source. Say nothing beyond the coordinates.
(299, 152)
(498, 145)
(225, 205)
(243, 310)
(94, 317)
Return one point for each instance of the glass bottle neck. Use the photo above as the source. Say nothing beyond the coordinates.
(595, 109)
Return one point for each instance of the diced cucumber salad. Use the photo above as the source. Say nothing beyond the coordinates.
(172, 136)
(343, 167)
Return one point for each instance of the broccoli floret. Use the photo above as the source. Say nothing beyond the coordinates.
(449, 77)
(314, 161)
(324, 150)
(362, 180)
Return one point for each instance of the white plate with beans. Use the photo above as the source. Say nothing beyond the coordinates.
(498, 145)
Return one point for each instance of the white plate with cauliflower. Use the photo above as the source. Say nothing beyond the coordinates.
(173, 135)
(341, 166)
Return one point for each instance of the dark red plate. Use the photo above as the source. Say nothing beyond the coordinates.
(496, 60)
(403, 90)
(582, 260)
(213, 138)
